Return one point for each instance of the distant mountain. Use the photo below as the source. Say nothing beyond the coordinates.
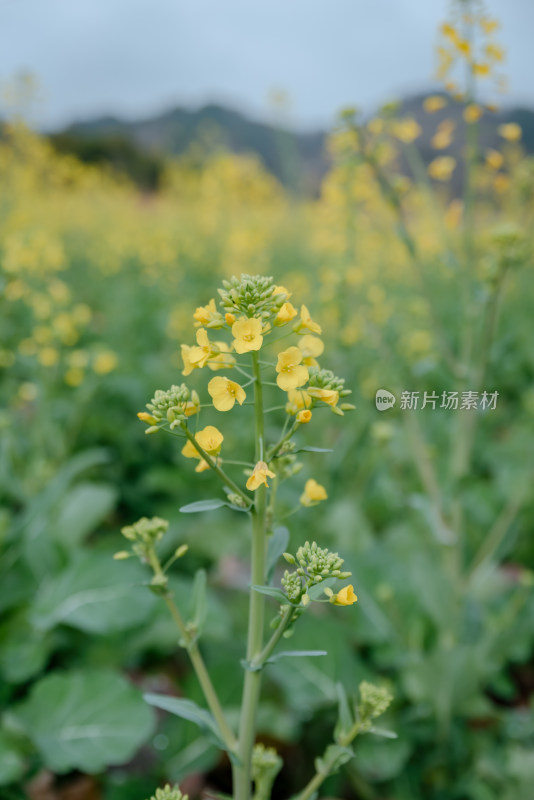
(299, 160)
(292, 157)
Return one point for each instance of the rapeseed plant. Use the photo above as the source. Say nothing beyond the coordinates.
(256, 317)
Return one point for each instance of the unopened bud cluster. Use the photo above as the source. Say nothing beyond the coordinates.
(265, 758)
(169, 793)
(266, 764)
(288, 465)
(325, 379)
(144, 534)
(374, 701)
(315, 564)
(171, 405)
(251, 295)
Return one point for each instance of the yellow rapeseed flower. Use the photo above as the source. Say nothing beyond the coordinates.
(225, 392)
(304, 416)
(375, 126)
(494, 159)
(328, 396)
(223, 358)
(345, 596)
(297, 399)
(464, 47)
(489, 25)
(313, 493)
(494, 52)
(210, 439)
(229, 318)
(196, 356)
(311, 347)
(291, 372)
(74, 376)
(259, 476)
(286, 314)
(407, 130)
(247, 335)
(472, 112)
(281, 290)
(434, 103)
(443, 136)
(449, 31)
(481, 69)
(48, 356)
(206, 314)
(105, 362)
(510, 131)
(306, 323)
(442, 168)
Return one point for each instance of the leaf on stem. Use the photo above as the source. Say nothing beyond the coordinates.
(276, 546)
(187, 709)
(270, 591)
(295, 654)
(310, 449)
(203, 505)
(199, 601)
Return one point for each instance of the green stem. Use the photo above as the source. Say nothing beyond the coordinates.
(275, 449)
(252, 682)
(262, 658)
(198, 664)
(215, 467)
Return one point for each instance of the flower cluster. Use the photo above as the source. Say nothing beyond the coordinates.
(314, 565)
(467, 40)
(327, 388)
(253, 308)
(171, 406)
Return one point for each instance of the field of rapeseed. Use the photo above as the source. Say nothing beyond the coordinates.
(416, 281)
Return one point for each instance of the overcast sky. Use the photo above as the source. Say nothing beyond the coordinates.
(134, 58)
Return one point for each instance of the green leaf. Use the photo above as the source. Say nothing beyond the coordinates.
(276, 545)
(95, 594)
(187, 709)
(199, 600)
(270, 591)
(296, 654)
(203, 505)
(12, 765)
(309, 449)
(334, 757)
(85, 720)
(383, 732)
(82, 510)
(345, 719)
(24, 650)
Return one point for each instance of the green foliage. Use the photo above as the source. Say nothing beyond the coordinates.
(84, 720)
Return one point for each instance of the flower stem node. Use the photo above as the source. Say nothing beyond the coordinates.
(237, 500)
(159, 584)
